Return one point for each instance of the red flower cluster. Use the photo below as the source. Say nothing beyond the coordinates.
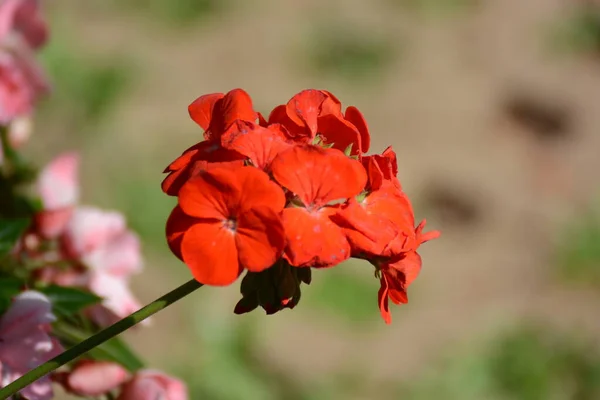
(277, 196)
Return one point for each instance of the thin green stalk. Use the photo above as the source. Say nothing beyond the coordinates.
(99, 338)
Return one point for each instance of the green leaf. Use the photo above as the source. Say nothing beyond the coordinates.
(118, 351)
(114, 350)
(11, 229)
(9, 288)
(67, 301)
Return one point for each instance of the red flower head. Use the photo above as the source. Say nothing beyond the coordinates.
(318, 177)
(317, 112)
(227, 220)
(215, 113)
(296, 190)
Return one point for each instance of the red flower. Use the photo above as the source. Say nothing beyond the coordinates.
(318, 177)
(397, 273)
(317, 112)
(199, 157)
(217, 111)
(261, 145)
(227, 219)
(338, 202)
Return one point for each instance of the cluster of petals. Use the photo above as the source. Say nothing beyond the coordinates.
(22, 80)
(91, 378)
(102, 252)
(26, 344)
(294, 190)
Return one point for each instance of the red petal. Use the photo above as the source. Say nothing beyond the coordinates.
(259, 238)
(198, 157)
(424, 237)
(261, 120)
(209, 251)
(331, 105)
(258, 190)
(313, 239)
(177, 224)
(304, 108)
(409, 265)
(317, 175)
(259, 144)
(390, 154)
(222, 193)
(201, 110)
(382, 167)
(341, 133)
(236, 104)
(368, 233)
(356, 118)
(382, 297)
(213, 194)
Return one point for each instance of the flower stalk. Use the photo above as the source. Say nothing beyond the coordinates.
(99, 338)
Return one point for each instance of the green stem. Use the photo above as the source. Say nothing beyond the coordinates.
(99, 338)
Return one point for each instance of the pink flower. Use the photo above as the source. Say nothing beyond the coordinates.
(101, 241)
(118, 301)
(25, 342)
(105, 251)
(153, 385)
(93, 378)
(23, 17)
(59, 190)
(22, 82)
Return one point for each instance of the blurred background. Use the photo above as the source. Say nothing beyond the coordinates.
(493, 107)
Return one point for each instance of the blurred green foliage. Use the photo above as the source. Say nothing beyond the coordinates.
(177, 12)
(578, 32)
(578, 254)
(349, 53)
(348, 292)
(84, 87)
(438, 7)
(146, 207)
(526, 363)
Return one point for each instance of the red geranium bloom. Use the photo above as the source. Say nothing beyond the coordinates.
(380, 222)
(397, 273)
(318, 177)
(195, 159)
(217, 111)
(317, 112)
(261, 145)
(227, 219)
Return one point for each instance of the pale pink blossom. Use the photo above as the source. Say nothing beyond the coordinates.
(93, 378)
(101, 240)
(23, 17)
(153, 385)
(22, 82)
(25, 342)
(58, 186)
(118, 301)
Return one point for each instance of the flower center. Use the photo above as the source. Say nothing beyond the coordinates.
(230, 224)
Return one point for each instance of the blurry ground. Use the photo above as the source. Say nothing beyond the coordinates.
(494, 110)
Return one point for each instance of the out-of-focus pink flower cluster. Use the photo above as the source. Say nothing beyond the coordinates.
(68, 244)
(94, 249)
(23, 31)
(95, 378)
